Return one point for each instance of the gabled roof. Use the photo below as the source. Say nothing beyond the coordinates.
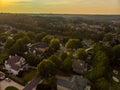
(12, 60)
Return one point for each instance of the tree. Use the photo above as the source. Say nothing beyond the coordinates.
(73, 44)
(116, 51)
(100, 66)
(116, 55)
(46, 68)
(81, 54)
(63, 56)
(48, 53)
(108, 37)
(31, 35)
(39, 36)
(26, 40)
(18, 35)
(3, 37)
(102, 84)
(55, 60)
(67, 65)
(32, 60)
(9, 43)
(64, 40)
(18, 48)
(47, 38)
(55, 44)
(48, 84)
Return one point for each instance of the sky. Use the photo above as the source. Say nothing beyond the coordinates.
(61, 6)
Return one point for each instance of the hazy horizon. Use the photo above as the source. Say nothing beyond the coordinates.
(105, 7)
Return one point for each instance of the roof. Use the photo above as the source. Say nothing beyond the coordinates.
(41, 45)
(79, 83)
(79, 66)
(39, 48)
(12, 60)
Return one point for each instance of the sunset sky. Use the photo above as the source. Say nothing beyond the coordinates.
(61, 6)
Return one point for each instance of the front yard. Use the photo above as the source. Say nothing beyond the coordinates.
(29, 75)
(11, 88)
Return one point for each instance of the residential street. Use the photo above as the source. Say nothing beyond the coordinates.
(32, 84)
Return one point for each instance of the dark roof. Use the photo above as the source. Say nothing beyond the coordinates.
(41, 45)
(78, 66)
(12, 60)
(39, 48)
(79, 83)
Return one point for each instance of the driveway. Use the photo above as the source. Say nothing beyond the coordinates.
(62, 88)
(4, 84)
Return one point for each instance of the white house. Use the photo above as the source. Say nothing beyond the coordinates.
(15, 64)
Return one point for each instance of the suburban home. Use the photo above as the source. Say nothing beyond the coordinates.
(2, 75)
(15, 64)
(80, 83)
(38, 49)
(79, 66)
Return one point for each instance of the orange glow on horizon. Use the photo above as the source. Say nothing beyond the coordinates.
(61, 6)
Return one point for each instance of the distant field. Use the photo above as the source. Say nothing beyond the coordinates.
(85, 16)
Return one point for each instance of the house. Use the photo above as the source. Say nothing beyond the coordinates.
(38, 49)
(15, 64)
(80, 83)
(79, 66)
(2, 75)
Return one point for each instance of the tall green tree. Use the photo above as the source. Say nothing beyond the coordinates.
(67, 65)
(32, 60)
(18, 48)
(81, 54)
(47, 38)
(39, 36)
(55, 60)
(46, 68)
(9, 43)
(55, 44)
(73, 44)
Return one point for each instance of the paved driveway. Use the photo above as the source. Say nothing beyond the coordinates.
(4, 84)
(62, 88)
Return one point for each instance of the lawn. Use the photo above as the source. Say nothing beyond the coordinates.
(29, 75)
(11, 88)
(3, 55)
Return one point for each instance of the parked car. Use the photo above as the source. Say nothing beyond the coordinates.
(2, 75)
(8, 80)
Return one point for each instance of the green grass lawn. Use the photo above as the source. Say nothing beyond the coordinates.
(3, 55)
(11, 88)
(29, 75)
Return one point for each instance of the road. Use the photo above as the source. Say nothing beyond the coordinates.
(32, 84)
(36, 80)
(64, 83)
